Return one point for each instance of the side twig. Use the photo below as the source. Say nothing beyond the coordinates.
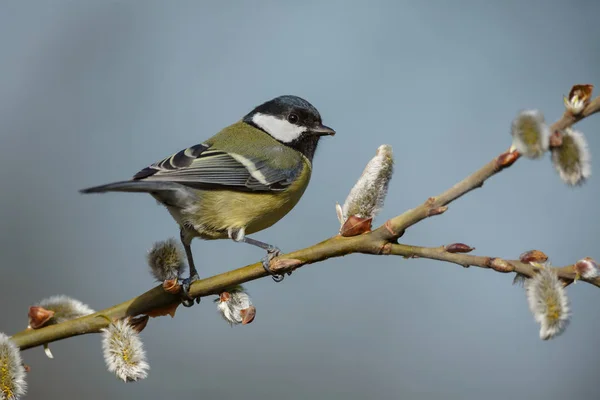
(395, 227)
(566, 273)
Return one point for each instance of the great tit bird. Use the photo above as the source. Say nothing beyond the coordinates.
(240, 181)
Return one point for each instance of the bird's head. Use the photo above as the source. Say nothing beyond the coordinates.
(292, 121)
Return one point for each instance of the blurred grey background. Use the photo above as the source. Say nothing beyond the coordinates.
(92, 91)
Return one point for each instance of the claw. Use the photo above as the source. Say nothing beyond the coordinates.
(187, 302)
(272, 252)
(186, 299)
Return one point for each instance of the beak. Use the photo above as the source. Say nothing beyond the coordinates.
(322, 130)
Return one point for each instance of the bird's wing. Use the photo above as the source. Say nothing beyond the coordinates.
(203, 167)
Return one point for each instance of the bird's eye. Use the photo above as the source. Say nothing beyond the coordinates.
(293, 118)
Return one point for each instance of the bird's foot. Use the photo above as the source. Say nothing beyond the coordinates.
(272, 252)
(186, 299)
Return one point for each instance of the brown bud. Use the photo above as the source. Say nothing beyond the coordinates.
(172, 286)
(436, 211)
(579, 97)
(355, 226)
(139, 323)
(27, 368)
(586, 268)
(248, 315)
(39, 316)
(507, 159)
(556, 139)
(533, 256)
(587, 262)
(225, 296)
(501, 265)
(583, 92)
(458, 248)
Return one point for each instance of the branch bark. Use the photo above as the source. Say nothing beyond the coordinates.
(380, 241)
(566, 273)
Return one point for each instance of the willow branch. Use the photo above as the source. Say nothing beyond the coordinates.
(380, 241)
(157, 299)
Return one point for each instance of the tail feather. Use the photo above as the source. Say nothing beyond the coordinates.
(133, 187)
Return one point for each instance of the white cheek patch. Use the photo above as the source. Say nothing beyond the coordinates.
(280, 129)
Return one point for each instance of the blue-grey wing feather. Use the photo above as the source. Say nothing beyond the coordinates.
(201, 167)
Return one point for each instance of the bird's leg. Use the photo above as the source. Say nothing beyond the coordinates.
(188, 301)
(272, 251)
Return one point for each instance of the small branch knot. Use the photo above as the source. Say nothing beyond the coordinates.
(285, 265)
(388, 227)
(386, 249)
(436, 211)
(500, 265)
(556, 139)
(430, 202)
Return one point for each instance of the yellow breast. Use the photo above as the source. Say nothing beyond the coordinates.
(221, 210)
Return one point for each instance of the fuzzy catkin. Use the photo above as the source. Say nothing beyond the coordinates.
(548, 302)
(572, 159)
(231, 308)
(366, 198)
(166, 260)
(123, 351)
(531, 135)
(12, 372)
